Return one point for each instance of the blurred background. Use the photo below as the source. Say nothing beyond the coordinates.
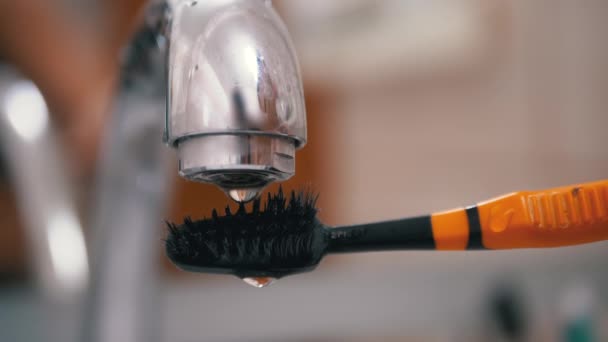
(413, 106)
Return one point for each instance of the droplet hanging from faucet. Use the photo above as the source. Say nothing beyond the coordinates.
(243, 195)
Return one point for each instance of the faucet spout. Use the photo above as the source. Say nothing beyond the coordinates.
(236, 111)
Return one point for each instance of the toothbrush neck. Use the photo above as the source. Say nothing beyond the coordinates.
(411, 233)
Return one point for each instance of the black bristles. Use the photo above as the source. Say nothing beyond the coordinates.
(256, 207)
(285, 237)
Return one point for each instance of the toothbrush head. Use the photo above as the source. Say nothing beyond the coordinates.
(282, 239)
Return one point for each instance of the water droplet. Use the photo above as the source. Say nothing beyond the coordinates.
(243, 195)
(259, 282)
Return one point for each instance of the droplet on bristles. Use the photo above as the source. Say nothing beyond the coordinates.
(259, 282)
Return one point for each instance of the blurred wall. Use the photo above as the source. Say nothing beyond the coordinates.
(526, 109)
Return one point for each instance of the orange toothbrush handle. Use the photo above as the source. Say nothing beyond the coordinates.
(556, 217)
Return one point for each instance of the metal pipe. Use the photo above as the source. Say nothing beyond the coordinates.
(55, 235)
(130, 200)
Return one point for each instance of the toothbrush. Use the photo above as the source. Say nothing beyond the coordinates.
(286, 237)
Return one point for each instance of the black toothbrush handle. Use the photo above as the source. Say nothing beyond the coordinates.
(565, 216)
(410, 233)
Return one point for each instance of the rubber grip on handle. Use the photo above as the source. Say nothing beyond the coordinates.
(556, 217)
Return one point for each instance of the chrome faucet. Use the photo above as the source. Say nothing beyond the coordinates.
(235, 114)
(235, 109)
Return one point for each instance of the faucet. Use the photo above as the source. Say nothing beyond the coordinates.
(235, 114)
(235, 104)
